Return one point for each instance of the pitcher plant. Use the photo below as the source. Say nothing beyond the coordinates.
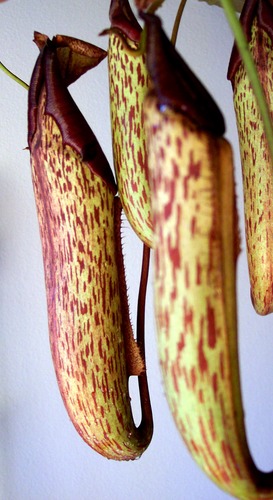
(173, 177)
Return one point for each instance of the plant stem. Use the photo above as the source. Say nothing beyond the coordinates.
(13, 76)
(251, 70)
(177, 21)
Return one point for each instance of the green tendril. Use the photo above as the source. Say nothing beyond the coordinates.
(251, 70)
(13, 76)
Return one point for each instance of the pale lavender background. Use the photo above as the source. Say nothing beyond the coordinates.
(41, 455)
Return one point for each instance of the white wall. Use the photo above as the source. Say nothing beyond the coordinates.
(41, 455)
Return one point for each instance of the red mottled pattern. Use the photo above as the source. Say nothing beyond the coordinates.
(196, 245)
(257, 171)
(128, 81)
(76, 216)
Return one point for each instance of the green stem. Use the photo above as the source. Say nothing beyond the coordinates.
(13, 76)
(251, 70)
